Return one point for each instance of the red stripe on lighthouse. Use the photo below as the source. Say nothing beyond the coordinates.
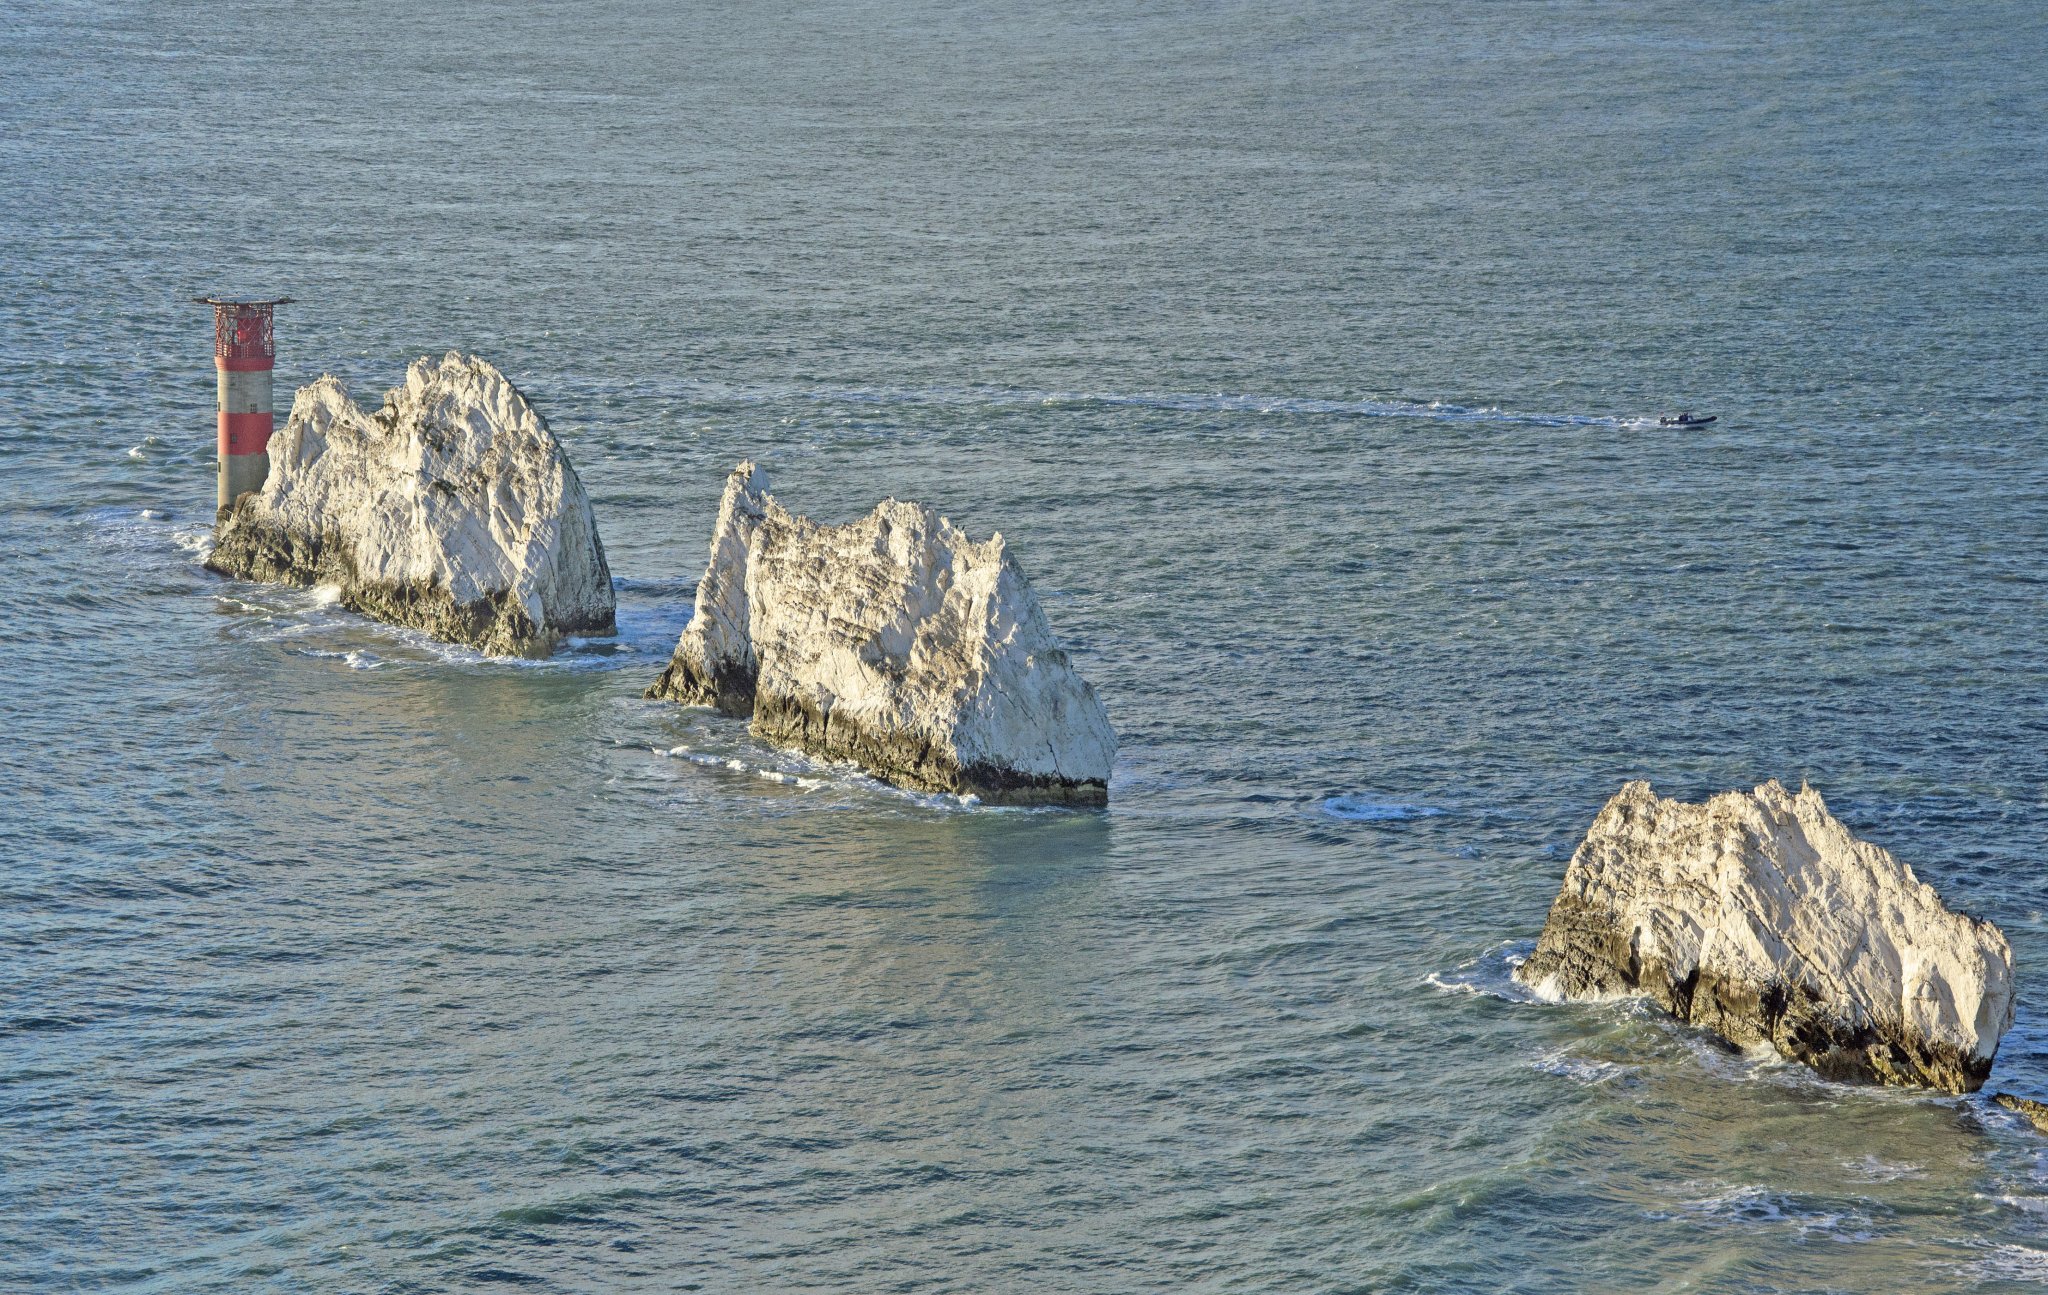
(245, 433)
(244, 363)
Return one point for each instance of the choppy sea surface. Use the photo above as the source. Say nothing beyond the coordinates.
(1308, 355)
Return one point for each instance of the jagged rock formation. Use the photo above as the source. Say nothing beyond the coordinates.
(895, 642)
(452, 509)
(1759, 916)
(2036, 1113)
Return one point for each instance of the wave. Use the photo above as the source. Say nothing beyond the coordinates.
(151, 534)
(1358, 809)
(313, 623)
(1584, 1070)
(806, 774)
(287, 612)
(281, 612)
(1752, 1205)
(353, 659)
(1871, 1169)
(1491, 973)
(2007, 1263)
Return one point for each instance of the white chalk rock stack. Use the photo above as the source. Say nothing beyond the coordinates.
(452, 509)
(1760, 917)
(893, 641)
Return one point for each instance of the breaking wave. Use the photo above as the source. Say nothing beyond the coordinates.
(1491, 973)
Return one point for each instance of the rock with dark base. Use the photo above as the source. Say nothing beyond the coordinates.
(1760, 917)
(2024, 1105)
(895, 642)
(2036, 1112)
(452, 509)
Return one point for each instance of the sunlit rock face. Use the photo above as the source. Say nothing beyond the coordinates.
(894, 641)
(1761, 917)
(452, 509)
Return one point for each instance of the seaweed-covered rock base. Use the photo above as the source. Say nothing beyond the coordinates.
(452, 510)
(895, 642)
(1759, 916)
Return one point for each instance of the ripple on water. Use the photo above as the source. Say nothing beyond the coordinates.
(1873, 1169)
(469, 968)
(1363, 809)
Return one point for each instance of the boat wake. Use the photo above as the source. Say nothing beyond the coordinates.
(1181, 402)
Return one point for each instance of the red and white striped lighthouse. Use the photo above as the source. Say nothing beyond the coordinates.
(244, 350)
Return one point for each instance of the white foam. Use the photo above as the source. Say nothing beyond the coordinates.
(1491, 974)
(1747, 1204)
(353, 659)
(1752, 1205)
(2012, 1263)
(807, 773)
(614, 645)
(1438, 981)
(319, 611)
(1584, 1070)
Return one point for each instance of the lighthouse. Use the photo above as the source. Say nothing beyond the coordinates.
(244, 351)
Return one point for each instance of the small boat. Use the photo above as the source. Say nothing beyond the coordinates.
(1687, 420)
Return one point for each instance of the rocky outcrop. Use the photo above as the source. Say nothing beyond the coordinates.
(1759, 916)
(452, 510)
(895, 642)
(2036, 1113)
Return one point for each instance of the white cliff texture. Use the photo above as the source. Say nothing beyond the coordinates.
(1759, 916)
(452, 509)
(895, 642)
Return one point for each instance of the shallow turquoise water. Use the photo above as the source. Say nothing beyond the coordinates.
(1303, 356)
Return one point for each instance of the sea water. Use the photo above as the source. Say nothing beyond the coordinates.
(1308, 356)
